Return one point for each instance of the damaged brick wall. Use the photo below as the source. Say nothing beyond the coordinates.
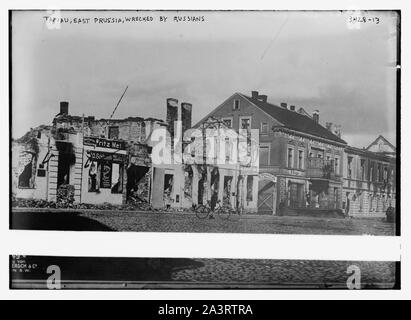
(138, 183)
(143, 187)
(26, 169)
(188, 183)
(129, 129)
(65, 196)
(25, 154)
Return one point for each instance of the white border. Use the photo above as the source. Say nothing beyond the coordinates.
(320, 247)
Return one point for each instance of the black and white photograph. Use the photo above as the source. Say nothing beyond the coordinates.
(175, 121)
(275, 124)
(57, 272)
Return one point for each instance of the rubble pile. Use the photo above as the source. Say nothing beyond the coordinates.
(67, 203)
(32, 203)
(65, 196)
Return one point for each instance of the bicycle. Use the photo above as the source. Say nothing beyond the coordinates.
(204, 211)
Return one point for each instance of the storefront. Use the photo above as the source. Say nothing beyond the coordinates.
(104, 171)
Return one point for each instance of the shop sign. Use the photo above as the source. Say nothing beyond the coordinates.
(106, 156)
(104, 143)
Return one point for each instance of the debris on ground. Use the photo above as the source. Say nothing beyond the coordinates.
(65, 200)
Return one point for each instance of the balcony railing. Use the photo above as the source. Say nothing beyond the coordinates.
(320, 168)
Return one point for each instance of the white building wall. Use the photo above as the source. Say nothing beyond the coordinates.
(39, 190)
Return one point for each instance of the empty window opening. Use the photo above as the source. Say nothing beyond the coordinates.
(236, 104)
(117, 178)
(113, 132)
(245, 123)
(26, 177)
(227, 190)
(188, 183)
(93, 177)
(135, 175)
(250, 182)
(228, 123)
(168, 185)
(66, 159)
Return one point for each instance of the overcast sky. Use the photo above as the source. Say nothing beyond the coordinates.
(314, 60)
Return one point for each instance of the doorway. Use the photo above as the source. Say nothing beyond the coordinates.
(266, 197)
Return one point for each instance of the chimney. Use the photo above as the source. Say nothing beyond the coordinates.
(329, 126)
(64, 107)
(337, 130)
(292, 108)
(172, 114)
(262, 98)
(254, 95)
(283, 105)
(316, 116)
(186, 112)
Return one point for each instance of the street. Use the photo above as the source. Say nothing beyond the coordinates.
(105, 220)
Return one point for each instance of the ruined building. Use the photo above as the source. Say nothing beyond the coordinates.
(247, 153)
(84, 160)
(202, 165)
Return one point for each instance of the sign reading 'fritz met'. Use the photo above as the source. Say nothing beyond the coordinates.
(103, 143)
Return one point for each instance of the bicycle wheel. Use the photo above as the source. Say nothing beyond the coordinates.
(223, 213)
(202, 212)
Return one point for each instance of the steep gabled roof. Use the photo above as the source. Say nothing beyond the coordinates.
(380, 137)
(215, 109)
(295, 121)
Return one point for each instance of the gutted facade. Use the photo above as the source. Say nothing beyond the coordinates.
(198, 166)
(83, 160)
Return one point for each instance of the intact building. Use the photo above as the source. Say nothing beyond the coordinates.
(369, 179)
(300, 161)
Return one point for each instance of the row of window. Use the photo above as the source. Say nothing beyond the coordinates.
(227, 187)
(376, 172)
(113, 132)
(300, 159)
(265, 158)
(245, 123)
(315, 153)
